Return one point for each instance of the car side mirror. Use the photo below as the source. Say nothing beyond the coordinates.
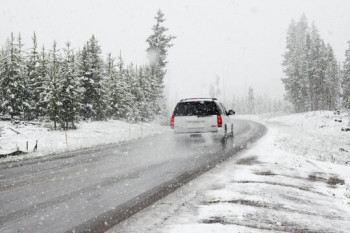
(231, 112)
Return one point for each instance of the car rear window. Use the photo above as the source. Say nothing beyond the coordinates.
(196, 108)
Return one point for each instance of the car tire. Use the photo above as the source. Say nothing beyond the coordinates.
(224, 140)
(227, 141)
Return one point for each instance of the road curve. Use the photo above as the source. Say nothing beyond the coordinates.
(95, 189)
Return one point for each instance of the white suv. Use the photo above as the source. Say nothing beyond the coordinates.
(198, 116)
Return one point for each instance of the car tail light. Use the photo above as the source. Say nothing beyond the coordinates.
(172, 122)
(219, 121)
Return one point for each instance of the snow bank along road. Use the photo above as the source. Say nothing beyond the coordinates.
(93, 190)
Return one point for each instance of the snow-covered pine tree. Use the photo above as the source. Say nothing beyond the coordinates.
(290, 82)
(43, 80)
(87, 111)
(218, 92)
(23, 74)
(13, 78)
(52, 86)
(212, 91)
(135, 79)
(144, 94)
(315, 70)
(332, 91)
(251, 101)
(3, 79)
(322, 64)
(302, 63)
(2, 56)
(69, 90)
(118, 91)
(34, 82)
(112, 84)
(296, 65)
(148, 82)
(158, 44)
(346, 79)
(131, 92)
(124, 101)
(91, 71)
(310, 70)
(214, 88)
(2, 52)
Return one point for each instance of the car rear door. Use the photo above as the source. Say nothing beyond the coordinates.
(195, 117)
(226, 118)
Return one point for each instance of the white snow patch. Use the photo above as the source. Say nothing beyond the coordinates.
(316, 135)
(88, 134)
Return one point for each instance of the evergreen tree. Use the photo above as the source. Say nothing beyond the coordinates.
(212, 90)
(2, 97)
(291, 83)
(218, 91)
(302, 65)
(66, 89)
(91, 72)
(312, 77)
(52, 87)
(87, 84)
(118, 93)
(24, 79)
(315, 68)
(34, 86)
(346, 79)
(12, 82)
(141, 93)
(148, 81)
(251, 100)
(158, 44)
(135, 91)
(332, 88)
(124, 100)
(112, 83)
(69, 90)
(42, 82)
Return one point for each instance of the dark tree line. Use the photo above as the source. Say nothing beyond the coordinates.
(314, 78)
(67, 86)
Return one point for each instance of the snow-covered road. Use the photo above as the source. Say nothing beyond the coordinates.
(91, 189)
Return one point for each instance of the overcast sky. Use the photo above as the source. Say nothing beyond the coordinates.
(242, 41)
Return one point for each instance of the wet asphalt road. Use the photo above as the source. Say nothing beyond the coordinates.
(93, 190)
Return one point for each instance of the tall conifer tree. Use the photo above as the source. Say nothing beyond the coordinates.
(158, 44)
(346, 79)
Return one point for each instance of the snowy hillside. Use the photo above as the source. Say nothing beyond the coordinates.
(87, 135)
(317, 135)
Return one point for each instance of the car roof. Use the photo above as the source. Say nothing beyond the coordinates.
(198, 99)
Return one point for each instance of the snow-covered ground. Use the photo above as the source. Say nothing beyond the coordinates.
(51, 142)
(293, 180)
(316, 135)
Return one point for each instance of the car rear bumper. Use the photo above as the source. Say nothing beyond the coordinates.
(217, 133)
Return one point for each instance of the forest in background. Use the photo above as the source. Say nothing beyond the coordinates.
(314, 80)
(66, 86)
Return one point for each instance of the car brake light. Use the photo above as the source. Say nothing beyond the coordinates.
(172, 122)
(219, 121)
